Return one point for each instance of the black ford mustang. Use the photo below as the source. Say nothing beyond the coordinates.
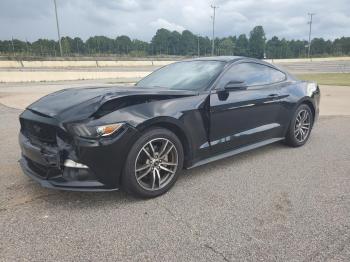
(181, 116)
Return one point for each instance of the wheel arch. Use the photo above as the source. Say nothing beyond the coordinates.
(306, 101)
(309, 103)
(174, 126)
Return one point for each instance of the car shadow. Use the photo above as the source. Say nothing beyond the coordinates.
(232, 160)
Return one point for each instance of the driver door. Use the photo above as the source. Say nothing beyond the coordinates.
(248, 113)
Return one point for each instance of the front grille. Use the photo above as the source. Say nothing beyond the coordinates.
(42, 171)
(37, 131)
(39, 170)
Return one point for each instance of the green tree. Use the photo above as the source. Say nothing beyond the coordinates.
(226, 46)
(67, 45)
(257, 42)
(161, 41)
(298, 48)
(44, 47)
(78, 46)
(341, 46)
(5, 47)
(188, 43)
(204, 46)
(185, 43)
(124, 44)
(139, 48)
(242, 44)
(273, 47)
(318, 46)
(174, 43)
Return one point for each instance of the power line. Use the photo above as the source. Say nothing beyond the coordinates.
(58, 28)
(213, 17)
(310, 23)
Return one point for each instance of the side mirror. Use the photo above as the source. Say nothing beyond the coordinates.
(235, 85)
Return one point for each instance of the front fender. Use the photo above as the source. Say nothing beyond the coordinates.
(311, 98)
(184, 115)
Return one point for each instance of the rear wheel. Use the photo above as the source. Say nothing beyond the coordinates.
(300, 127)
(153, 163)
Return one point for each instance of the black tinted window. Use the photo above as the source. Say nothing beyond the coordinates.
(253, 74)
(276, 76)
(188, 75)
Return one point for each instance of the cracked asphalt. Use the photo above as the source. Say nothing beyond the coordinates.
(272, 204)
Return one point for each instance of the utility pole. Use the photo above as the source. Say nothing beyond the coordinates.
(27, 47)
(58, 28)
(310, 23)
(213, 17)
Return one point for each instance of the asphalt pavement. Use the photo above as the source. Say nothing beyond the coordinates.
(316, 67)
(272, 204)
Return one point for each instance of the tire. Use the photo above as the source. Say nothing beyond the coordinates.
(148, 153)
(299, 132)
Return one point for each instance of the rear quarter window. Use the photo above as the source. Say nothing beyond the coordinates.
(253, 74)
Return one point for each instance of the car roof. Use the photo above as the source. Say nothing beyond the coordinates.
(218, 58)
(227, 59)
(232, 59)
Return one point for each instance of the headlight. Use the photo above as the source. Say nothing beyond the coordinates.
(107, 129)
(85, 130)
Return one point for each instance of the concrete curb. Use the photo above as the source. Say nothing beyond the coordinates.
(38, 76)
(125, 63)
(68, 64)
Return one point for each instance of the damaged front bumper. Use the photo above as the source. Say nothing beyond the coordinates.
(45, 167)
(70, 162)
(59, 182)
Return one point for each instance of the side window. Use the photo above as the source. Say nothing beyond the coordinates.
(253, 74)
(276, 76)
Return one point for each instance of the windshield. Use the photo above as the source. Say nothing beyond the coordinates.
(187, 75)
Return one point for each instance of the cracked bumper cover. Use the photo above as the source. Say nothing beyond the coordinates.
(104, 158)
(59, 182)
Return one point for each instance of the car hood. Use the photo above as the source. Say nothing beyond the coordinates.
(79, 103)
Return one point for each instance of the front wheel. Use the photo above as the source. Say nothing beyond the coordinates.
(153, 163)
(300, 126)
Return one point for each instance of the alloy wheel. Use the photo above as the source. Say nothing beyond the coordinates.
(302, 126)
(156, 164)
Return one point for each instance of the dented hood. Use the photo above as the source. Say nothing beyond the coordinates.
(79, 103)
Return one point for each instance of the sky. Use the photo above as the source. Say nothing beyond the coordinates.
(33, 19)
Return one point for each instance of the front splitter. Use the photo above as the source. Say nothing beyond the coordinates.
(80, 186)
